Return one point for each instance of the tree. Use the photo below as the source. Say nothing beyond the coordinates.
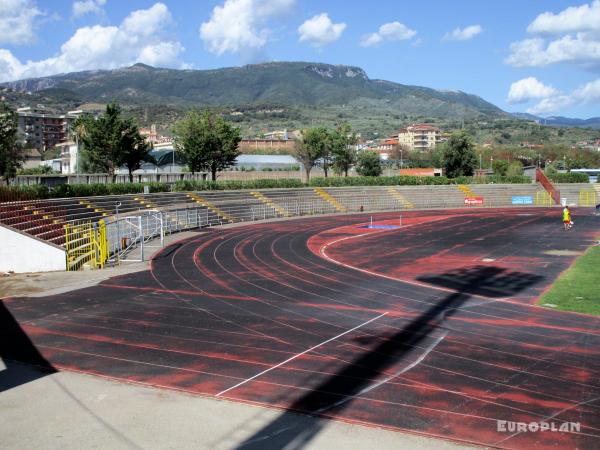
(342, 144)
(369, 164)
(306, 155)
(207, 142)
(459, 155)
(134, 151)
(11, 149)
(79, 132)
(111, 141)
(500, 166)
(309, 148)
(318, 141)
(515, 168)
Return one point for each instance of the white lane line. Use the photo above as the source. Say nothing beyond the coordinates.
(302, 353)
(323, 253)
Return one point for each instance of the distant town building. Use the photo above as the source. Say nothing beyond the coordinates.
(420, 136)
(33, 158)
(43, 128)
(253, 145)
(68, 157)
(422, 172)
(153, 137)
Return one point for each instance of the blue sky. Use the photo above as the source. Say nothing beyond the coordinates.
(541, 57)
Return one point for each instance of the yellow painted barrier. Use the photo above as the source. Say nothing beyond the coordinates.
(543, 198)
(86, 243)
(587, 197)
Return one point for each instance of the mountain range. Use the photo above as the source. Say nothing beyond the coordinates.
(559, 121)
(274, 83)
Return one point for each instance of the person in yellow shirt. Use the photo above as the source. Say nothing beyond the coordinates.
(567, 218)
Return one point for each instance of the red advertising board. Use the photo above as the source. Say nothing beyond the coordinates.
(473, 200)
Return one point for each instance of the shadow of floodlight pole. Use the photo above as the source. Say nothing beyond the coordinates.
(334, 394)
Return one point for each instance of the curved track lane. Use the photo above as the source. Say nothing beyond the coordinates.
(428, 328)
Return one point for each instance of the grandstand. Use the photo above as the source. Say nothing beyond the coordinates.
(45, 219)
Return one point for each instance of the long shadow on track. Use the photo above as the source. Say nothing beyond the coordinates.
(337, 392)
(15, 349)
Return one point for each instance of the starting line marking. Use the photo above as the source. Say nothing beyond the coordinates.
(300, 354)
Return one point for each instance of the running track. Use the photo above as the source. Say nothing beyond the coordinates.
(429, 328)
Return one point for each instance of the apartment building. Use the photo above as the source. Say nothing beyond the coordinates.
(42, 128)
(420, 136)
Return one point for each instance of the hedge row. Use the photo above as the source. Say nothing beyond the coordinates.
(569, 177)
(282, 183)
(493, 179)
(39, 191)
(15, 193)
(377, 181)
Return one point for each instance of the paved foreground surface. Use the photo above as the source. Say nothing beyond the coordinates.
(71, 410)
(427, 328)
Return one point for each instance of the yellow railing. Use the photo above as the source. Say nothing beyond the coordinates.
(543, 198)
(86, 244)
(587, 197)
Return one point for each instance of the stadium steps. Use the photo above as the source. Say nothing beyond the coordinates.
(401, 198)
(329, 199)
(466, 190)
(572, 191)
(299, 202)
(94, 208)
(212, 207)
(267, 201)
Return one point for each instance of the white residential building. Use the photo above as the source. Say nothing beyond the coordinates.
(420, 136)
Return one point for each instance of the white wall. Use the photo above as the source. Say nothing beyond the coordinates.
(21, 253)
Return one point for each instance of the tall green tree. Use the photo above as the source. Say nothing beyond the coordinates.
(500, 166)
(134, 150)
(305, 154)
(111, 141)
(207, 141)
(459, 155)
(11, 149)
(79, 131)
(369, 164)
(316, 142)
(342, 143)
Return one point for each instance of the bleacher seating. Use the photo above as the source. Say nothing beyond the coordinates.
(45, 219)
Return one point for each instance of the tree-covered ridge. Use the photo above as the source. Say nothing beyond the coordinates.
(285, 83)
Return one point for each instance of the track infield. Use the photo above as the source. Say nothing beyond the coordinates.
(428, 328)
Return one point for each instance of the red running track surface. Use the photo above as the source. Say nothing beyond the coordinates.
(429, 328)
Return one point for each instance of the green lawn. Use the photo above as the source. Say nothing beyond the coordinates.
(578, 289)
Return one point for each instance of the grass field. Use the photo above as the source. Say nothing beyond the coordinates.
(578, 289)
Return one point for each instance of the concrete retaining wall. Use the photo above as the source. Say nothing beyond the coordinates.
(20, 253)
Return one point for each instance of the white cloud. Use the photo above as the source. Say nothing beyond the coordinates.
(242, 26)
(139, 38)
(463, 34)
(392, 31)
(581, 48)
(320, 30)
(528, 89)
(572, 19)
(83, 7)
(575, 38)
(588, 93)
(18, 21)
